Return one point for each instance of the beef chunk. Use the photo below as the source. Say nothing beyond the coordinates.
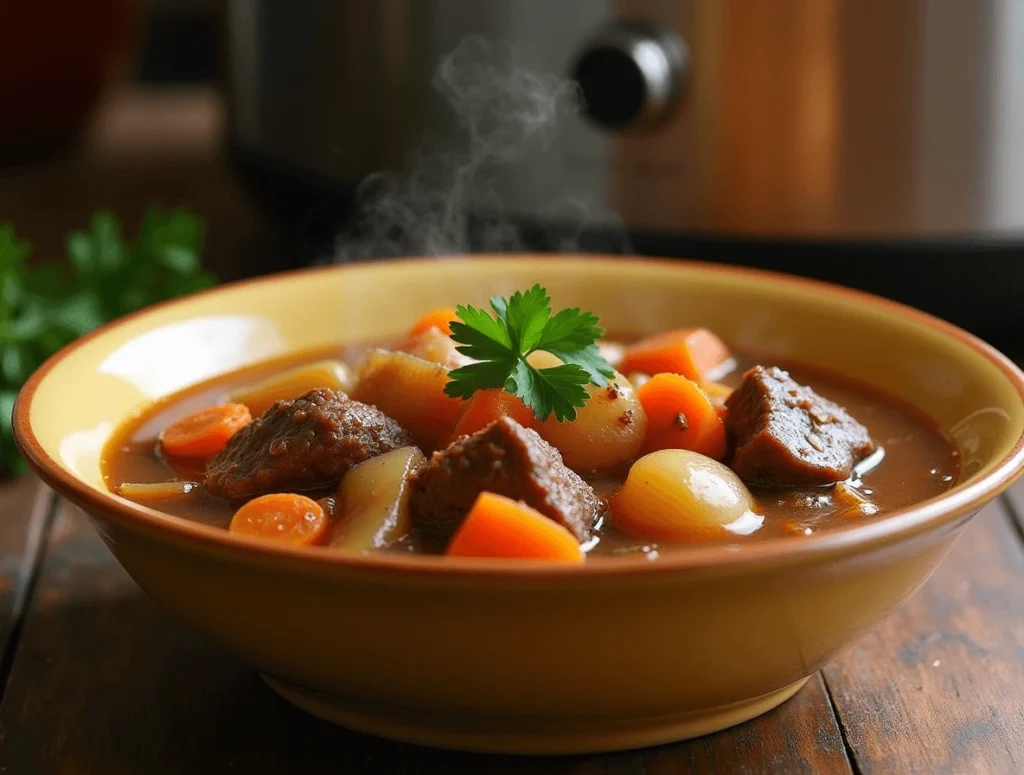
(302, 444)
(785, 434)
(507, 459)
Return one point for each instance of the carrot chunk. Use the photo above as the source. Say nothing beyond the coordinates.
(440, 319)
(497, 526)
(696, 353)
(680, 416)
(206, 432)
(486, 406)
(283, 517)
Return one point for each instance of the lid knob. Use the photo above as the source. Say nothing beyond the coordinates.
(630, 74)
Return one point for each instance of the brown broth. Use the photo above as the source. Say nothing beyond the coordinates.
(919, 461)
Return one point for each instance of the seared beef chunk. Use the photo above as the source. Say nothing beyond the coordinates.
(507, 459)
(785, 434)
(301, 444)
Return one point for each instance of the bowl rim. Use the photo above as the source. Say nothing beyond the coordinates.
(895, 525)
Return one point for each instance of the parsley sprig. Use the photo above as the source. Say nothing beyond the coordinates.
(44, 306)
(521, 325)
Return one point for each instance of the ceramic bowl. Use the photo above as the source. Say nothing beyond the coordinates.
(518, 657)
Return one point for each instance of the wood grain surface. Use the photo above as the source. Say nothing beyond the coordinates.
(1015, 502)
(25, 508)
(104, 682)
(939, 688)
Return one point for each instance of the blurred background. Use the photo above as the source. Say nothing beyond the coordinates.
(876, 143)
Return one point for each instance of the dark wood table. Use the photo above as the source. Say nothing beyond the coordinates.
(98, 680)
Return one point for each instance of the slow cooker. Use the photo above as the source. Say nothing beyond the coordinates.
(879, 143)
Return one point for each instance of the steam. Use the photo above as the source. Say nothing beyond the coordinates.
(445, 203)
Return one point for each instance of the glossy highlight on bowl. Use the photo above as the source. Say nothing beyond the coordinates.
(505, 653)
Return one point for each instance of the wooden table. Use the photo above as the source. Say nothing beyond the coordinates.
(99, 680)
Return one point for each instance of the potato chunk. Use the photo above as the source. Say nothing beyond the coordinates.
(435, 346)
(607, 432)
(293, 383)
(410, 390)
(372, 501)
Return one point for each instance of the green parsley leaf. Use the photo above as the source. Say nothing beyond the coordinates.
(525, 315)
(597, 369)
(12, 260)
(45, 306)
(559, 389)
(570, 335)
(571, 329)
(482, 337)
(479, 376)
(523, 324)
(9, 457)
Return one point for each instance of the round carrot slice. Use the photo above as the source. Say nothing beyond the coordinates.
(283, 517)
(206, 432)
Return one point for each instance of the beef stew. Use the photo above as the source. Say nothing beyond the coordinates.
(684, 442)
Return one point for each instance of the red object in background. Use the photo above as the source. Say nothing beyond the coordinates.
(55, 61)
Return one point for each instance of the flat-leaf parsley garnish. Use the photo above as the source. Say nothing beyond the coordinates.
(521, 325)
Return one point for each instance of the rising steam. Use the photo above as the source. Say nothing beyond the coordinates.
(503, 113)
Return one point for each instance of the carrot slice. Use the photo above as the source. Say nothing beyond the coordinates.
(283, 517)
(696, 353)
(206, 432)
(486, 406)
(497, 526)
(680, 416)
(440, 319)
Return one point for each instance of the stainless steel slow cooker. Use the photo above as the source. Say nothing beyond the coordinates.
(843, 138)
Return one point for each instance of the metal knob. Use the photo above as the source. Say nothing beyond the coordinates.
(630, 74)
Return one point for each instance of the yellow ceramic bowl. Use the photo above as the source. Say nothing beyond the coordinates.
(481, 655)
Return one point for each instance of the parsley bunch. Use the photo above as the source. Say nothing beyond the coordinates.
(45, 306)
(523, 324)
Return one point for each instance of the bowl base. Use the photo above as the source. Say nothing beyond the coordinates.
(515, 735)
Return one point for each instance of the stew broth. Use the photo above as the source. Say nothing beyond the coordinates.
(915, 461)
